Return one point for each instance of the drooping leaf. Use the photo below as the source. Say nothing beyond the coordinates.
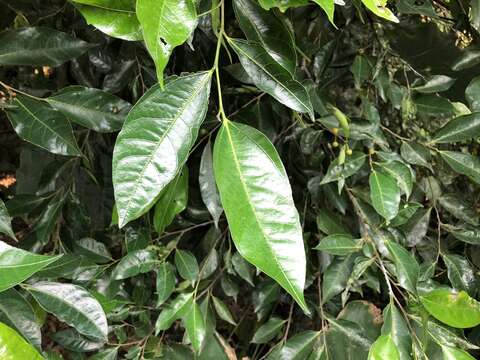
(436, 83)
(20, 315)
(384, 348)
(134, 263)
(223, 311)
(271, 77)
(464, 164)
(338, 244)
(336, 276)
(269, 30)
(195, 326)
(385, 194)
(37, 46)
(92, 108)
(396, 326)
(38, 123)
(166, 24)
(165, 282)
(14, 347)
(407, 268)
(17, 265)
(249, 172)
(462, 128)
(268, 331)
(155, 140)
(74, 306)
(208, 187)
(456, 309)
(186, 264)
(5, 221)
(172, 201)
(114, 18)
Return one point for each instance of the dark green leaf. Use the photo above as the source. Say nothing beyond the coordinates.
(208, 187)
(407, 268)
(165, 282)
(462, 128)
(464, 164)
(268, 331)
(186, 264)
(385, 194)
(338, 244)
(134, 263)
(436, 83)
(5, 221)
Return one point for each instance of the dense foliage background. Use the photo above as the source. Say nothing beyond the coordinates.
(374, 112)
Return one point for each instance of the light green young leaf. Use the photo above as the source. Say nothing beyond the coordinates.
(74, 306)
(114, 18)
(450, 353)
(256, 195)
(14, 347)
(166, 24)
(394, 325)
(384, 348)
(456, 309)
(155, 141)
(17, 265)
(385, 194)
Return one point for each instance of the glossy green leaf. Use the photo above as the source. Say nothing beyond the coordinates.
(208, 187)
(92, 108)
(155, 141)
(298, 347)
(186, 264)
(361, 70)
(73, 341)
(337, 171)
(223, 311)
(395, 325)
(166, 24)
(462, 128)
(269, 30)
(256, 195)
(17, 265)
(464, 164)
(450, 353)
(14, 347)
(459, 207)
(243, 268)
(467, 234)
(385, 194)
(176, 309)
(270, 77)
(336, 276)
(195, 326)
(20, 315)
(433, 105)
(5, 221)
(134, 263)
(107, 354)
(165, 282)
(338, 244)
(283, 5)
(415, 154)
(466, 60)
(268, 331)
(436, 83)
(407, 268)
(172, 201)
(328, 6)
(74, 306)
(401, 173)
(460, 273)
(455, 309)
(38, 123)
(416, 227)
(39, 46)
(113, 17)
(471, 94)
(384, 348)
(378, 7)
(94, 250)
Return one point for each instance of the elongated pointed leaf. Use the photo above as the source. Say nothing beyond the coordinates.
(269, 30)
(268, 331)
(195, 326)
(450, 353)
(94, 250)
(271, 77)
(155, 141)
(385, 194)
(21, 315)
(186, 264)
(38, 123)
(394, 325)
(460, 273)
(328, 6)
(462, 128)
(298, 347)
(165, 282)
(455, 309)
(176, 309)
(17, 265)
(401, 173)
(464, 164)
(407, 268)
(258, 203)
(134, 263)
(338, 244)
(165, 24)
(223, 311)
(91, 108)
(415, 154)
(39, 46)
(5, 221)
(14, 347)
(114, 18)
(73, 305)
(336, 276)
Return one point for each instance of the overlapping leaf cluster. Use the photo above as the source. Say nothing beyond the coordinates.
(211, 179)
